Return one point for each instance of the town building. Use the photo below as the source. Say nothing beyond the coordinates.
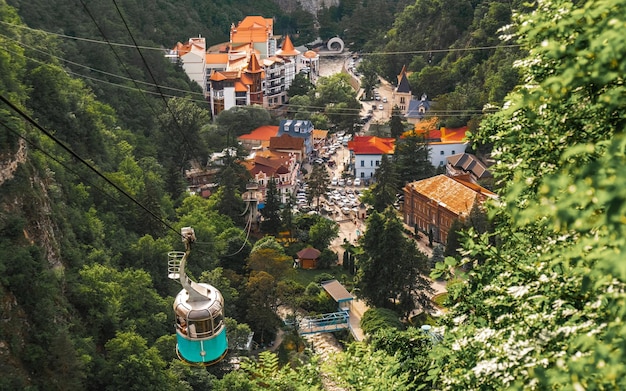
(431, 205)
(468, 167)
(366, 152)
(249, 69)
(259, 138)
(401, 95)
(302, 129)
(307, 258)
(417, 109)
(282, 168)
(444, 142)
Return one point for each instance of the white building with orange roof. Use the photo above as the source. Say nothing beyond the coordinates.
(444, 142)
(310, 60)
(366, 152)
(290, 56)
(191, 56)
(255, 30)
(259, 137)
(247, 70)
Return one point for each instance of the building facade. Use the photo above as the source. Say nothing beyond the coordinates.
(431, 205)
(249, 69)
(366, 152)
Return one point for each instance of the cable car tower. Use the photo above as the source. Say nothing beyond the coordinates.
(199, 309)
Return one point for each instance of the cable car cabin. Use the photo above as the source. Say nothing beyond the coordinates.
(199, 309)
(200, 330)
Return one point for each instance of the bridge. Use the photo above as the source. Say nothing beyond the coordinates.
(325, 323)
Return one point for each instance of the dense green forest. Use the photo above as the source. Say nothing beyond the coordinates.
(85, 300)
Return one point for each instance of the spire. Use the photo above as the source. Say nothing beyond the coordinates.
(402, 73)
(287, 49)
(253, 65)
(403, 82)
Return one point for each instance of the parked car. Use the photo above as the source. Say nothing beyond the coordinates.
(341, 182)
(333, 182)
(357, 181)
(384, 99)
(380, 106)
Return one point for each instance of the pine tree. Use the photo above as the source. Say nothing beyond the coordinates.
(389, 266)
(318, 183)
(411, 158)
(271, 211)
(384, 191)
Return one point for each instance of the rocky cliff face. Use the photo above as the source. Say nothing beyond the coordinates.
(311, 6)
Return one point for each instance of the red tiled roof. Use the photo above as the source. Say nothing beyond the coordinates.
(261, 133)
(253, 65)
(371, 145)
(217, 76)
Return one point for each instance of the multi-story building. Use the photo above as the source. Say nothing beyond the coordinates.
(366, 152)
(247, 70)
(281, 167)
(431, 205)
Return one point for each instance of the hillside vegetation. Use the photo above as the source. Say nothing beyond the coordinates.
(85, 301)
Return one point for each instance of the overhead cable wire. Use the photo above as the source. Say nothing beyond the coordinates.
(375, 53)
(143, 59)
(83, 161)
(97, 70)
(78, 38)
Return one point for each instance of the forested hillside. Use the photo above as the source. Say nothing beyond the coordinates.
(85, 302)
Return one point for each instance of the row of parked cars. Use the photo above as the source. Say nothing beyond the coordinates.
(345, 182)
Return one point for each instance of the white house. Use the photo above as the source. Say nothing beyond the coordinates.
(366, 152)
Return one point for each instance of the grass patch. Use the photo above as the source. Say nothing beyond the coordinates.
(440, 298)
(306, 276)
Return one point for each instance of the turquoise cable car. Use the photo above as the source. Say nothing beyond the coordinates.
(199, 309)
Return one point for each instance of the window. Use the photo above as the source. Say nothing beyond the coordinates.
(453, 152)
(362, 163)
(441, 153)
(362, 174)
(441, 162)
(371, 163)
(402, 99)
(377, 163)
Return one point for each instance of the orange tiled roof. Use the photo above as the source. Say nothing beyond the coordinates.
(310, 54)
(319, 134)
(263, 133)
(240, 87)
(287, 49)
(217, 76)
(371, 145)
(449, 193)
(253, 65)
(246, 79)
(216, 58)
(455, 135)
(252, 29)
